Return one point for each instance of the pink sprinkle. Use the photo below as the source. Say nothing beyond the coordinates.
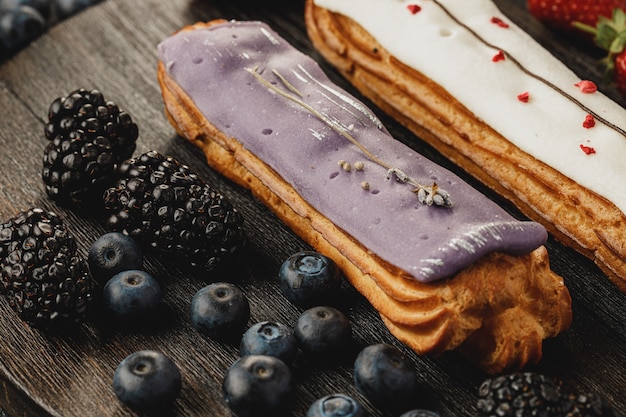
(587, 87)
(524, 97)
(587, 149)
(499, 22)
(589, 122)
(413, 8)
(498, 57)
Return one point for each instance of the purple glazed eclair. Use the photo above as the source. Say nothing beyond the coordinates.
(445, 267)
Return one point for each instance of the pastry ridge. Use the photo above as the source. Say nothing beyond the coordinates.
(429, 317)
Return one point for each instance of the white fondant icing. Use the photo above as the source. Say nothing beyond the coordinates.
(548, 127)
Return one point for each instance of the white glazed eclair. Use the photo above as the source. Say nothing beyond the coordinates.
(464, 78)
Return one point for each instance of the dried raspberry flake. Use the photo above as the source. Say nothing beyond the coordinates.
(589, 122)
(498, 57)
(587, 87)
(497, 21)
(413, 8)
(587, 149)
(524, 97)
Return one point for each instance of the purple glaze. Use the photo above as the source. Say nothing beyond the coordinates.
(427, 242)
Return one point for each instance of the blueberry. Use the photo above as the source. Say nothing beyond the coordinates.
(66, 8)
(322, 330)
(20, 26)
(42, 6)
(386, 377)
(336, 405)
(132, 295)
(258, 385)
(113, 253)
(309, 278)
(420, 413)
(220, 310)
(147, 380)
(269, 338)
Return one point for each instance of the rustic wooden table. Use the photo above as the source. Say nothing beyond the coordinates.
(112, 47)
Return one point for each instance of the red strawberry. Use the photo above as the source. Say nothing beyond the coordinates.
(610, 35)
(560, 14)
(619, 74)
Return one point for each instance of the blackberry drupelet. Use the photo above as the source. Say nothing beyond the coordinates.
(89, 137)
(164, 205)
(43, 277)
(520, 395)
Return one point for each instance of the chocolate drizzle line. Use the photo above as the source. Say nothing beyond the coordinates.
(531, 74)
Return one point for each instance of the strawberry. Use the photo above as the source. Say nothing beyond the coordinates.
(560, 14)
(610, 35)
(619, 75)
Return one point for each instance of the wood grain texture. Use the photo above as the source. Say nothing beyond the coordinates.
(112, 47)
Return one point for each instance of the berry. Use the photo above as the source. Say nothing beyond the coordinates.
(386, 377)
(113, 253)
(20, 26)
(147, 380)
(164, 205)
(220, 310)
(585, 405)
(132, 296)
(336, 405)
(269, 338)
(560, 15)
(527, 394)
(322, 330)
(88, 138)
(309, 278)
(420, 413)
(257, 385)
(619, 75)
(66, 8)
(610, 35)
(43, 277)
(42, 6)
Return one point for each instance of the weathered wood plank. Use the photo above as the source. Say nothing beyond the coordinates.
(113, 47)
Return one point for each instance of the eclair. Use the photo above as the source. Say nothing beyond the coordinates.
(446, 268)
(471, 83)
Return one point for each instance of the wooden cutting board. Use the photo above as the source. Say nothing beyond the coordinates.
(112, 47)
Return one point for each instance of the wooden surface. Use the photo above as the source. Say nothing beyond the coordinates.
(112, 47)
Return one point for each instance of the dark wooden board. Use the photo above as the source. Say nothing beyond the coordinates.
(112, 47)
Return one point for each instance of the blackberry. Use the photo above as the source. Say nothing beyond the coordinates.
(88, 138)
(165, 206)
(520, 395)
(586, 405)
(44, 279)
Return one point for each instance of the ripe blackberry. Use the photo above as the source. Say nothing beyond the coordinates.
(586, 405)
(164, 205)
(44, 279)
(519, 395)
(88, 137)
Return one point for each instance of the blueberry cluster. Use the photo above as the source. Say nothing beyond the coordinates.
(130, 294)
(260, 382)
(22, 21)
